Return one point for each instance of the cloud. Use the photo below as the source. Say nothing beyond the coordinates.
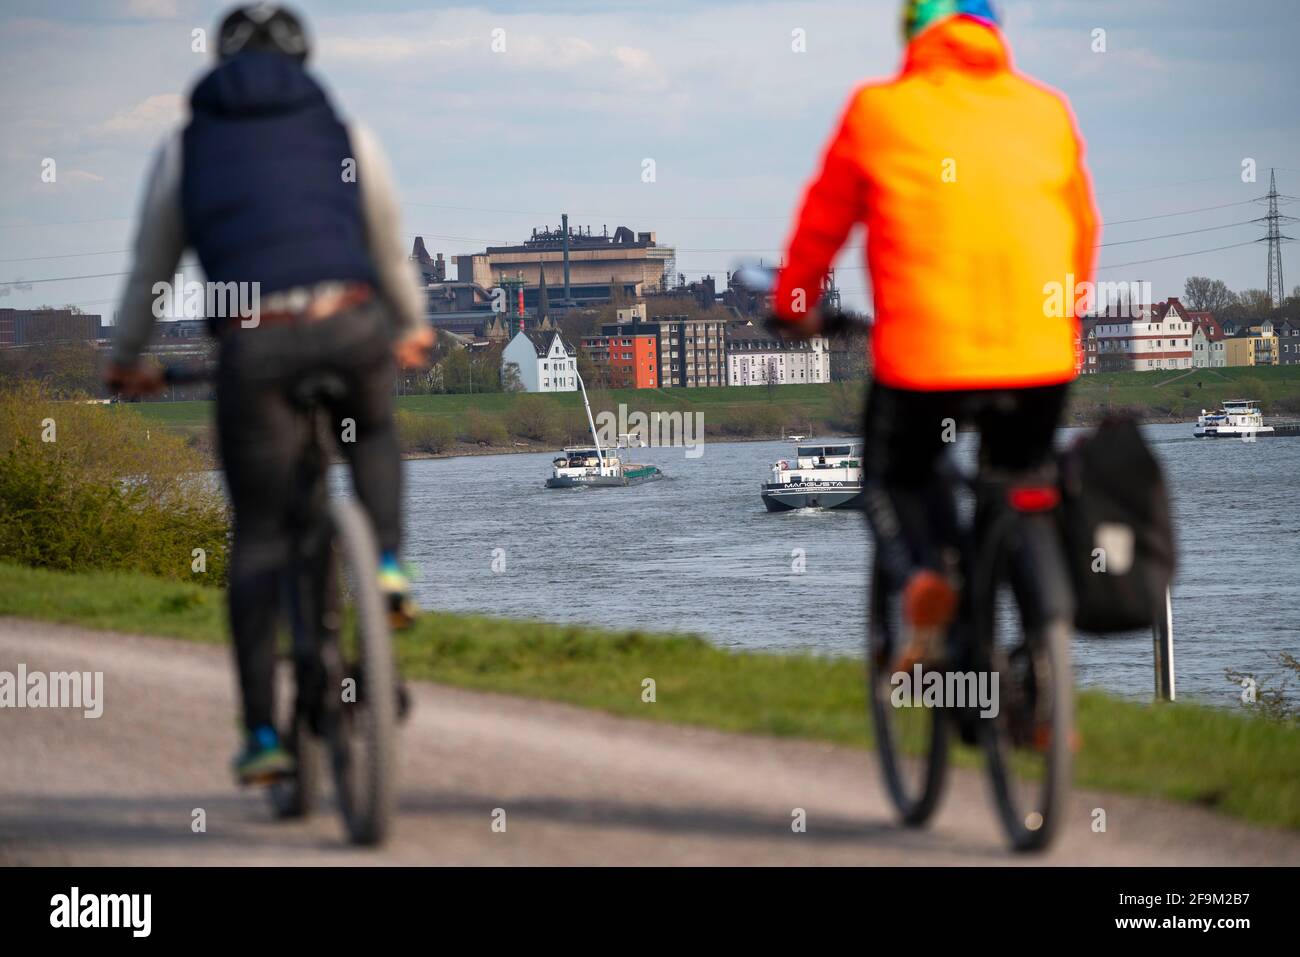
(152, 115)
(162, 9)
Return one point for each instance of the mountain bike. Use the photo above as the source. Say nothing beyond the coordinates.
(347, 700)
(1014, 622)
(1015, 619)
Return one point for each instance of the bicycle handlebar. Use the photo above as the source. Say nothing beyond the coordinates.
(761, 280)
(187, 374)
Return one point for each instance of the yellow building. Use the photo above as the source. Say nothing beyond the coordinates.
(1239, 351)
(1254, 349)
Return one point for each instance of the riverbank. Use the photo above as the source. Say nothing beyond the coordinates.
(441, 426)
(1235, 764)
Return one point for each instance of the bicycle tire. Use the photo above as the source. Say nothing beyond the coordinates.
(1029, 559)
(368, 727)
(295, 796)
(915, 801)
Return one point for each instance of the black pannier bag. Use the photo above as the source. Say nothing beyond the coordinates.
(1118, 533)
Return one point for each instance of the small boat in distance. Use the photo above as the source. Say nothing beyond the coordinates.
(593, 467)
(1240, 419)
(820, 476)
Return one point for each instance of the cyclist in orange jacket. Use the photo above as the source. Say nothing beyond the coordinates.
(970, 180)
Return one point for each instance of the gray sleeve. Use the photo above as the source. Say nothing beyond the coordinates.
(159, 242)
(399, 283)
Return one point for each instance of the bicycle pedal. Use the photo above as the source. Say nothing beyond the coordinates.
(1043, 739)
(263, 779)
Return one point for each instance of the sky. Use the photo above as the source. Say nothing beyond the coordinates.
(487, 144)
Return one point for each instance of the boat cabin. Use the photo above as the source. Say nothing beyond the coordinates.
(584, 458)
(848, 456)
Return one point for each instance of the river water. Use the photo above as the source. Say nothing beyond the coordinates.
(697, 552)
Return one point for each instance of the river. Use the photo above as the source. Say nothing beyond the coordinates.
(697, 552)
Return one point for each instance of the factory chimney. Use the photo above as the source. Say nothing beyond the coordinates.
(564, 225)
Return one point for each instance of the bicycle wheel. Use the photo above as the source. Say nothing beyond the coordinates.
(363, 738)
(295, 795)
(1025, 633)
(911, 740)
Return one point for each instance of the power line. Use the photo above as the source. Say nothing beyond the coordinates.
(1185, 212)
(76, 222)
(1189, 232)
(1143, 189)
(102, 275)
(32, 259)
(604, 216)
(1158, 259)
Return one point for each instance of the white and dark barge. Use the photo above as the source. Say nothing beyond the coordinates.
(1240, 419)
(819, 476)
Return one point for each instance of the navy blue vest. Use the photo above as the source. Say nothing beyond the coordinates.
(263, 194)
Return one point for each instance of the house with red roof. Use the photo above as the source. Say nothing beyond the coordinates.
(1158, 339)
(1206, 331)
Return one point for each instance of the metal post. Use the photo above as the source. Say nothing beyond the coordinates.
(564, 225)
(1163, 639)
(600, 454)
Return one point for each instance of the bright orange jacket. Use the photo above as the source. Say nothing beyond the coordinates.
(971, 182)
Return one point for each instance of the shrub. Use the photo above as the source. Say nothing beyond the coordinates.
(534, 417)
(94, 486)
(482, 429)
(424, 433)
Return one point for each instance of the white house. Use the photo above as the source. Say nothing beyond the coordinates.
(1158, 339)
(756, 357)
(545, 363)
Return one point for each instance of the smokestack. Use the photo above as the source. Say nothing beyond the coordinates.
(564, 225)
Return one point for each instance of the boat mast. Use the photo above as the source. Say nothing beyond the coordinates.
(600, 455)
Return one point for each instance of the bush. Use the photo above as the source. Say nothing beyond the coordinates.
(1289, 404)
(482, 429)
(94, 486)
(534, 417)
(424, 433)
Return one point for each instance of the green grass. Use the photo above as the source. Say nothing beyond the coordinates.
(1160, 394)
(1236, 764)
(1277, 387)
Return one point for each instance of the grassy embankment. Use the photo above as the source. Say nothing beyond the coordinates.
(1238, 765)
(495, 421)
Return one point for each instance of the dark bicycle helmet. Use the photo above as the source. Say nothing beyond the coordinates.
(265, 27)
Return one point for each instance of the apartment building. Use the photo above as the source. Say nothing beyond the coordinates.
(1158, 338)
(691, 351)
(758, 357)
(628, 361)
(1288, 339)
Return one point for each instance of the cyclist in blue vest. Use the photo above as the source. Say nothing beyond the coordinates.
(278, 196)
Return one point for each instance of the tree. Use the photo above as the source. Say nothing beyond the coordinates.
(1255, 301)
(1203, 294)
(595, 375)
(510, 381)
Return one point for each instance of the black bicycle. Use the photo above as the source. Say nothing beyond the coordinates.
(346, 705)
(1014, 623)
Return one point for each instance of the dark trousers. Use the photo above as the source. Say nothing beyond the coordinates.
(262, 435)
(909, 503)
